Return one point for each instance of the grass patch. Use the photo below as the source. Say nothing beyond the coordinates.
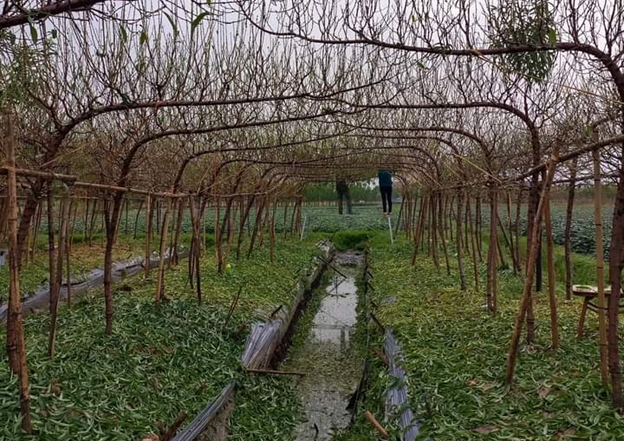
(158, 362)
(455, 355)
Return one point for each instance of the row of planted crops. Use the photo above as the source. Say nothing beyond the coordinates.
(163, 361)
(160, 361)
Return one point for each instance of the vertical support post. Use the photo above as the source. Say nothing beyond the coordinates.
(568, 230)
(16, 346)
(56, 287)
(531, 268)
(602, 326)
(148, 235)
(550, 257)
(458, 241)
(305, 219)
(160, 284)
(69, 238)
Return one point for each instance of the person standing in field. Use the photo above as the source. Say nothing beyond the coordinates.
(385, 186)
(342, 189)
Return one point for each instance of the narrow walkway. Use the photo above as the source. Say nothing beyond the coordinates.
(332, 369)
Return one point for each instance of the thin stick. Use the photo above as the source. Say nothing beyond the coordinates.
(169, 434)
(272, 372)
(377, 322)
(381, 356)
(376, 425)
(232, 307)
(602, 327)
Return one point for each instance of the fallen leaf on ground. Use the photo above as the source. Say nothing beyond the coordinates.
(486, 428)
(569, 432)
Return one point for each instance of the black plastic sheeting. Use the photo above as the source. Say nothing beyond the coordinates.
(40, 300)
(265, 337)
(196, 427)
(262, 342)
(397, 397)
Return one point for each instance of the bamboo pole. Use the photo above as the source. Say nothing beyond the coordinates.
(195, 257)
(160, 284)
(550, 260)
(51, 247)
(136, 219)
(517, 228)
(512, 248)
(434, 231)
(73, 180)
(479, 225)
(92, 221)
(69, 238)
(568, 230)
(174, 255)
(285, 217)
(442, 233)
(458, 241)
(38, 214)
(418, 228)
(602, 304)
(148, 236)
(531, 259)
(85, 227)
(217, 235)
(272, 233)
(475, 264)
(55, 292)
(16, 346)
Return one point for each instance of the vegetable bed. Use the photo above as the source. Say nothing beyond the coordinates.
(456, 356)
(159, 361)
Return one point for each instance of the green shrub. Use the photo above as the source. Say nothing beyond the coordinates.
(351, 240)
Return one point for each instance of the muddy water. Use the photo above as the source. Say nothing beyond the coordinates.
(331, 364)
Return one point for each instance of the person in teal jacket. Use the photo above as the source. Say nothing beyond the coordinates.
(385, 186)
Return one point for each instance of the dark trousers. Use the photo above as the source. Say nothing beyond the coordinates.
(386, 199)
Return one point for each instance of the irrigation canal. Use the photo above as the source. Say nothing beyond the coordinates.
(331, 363)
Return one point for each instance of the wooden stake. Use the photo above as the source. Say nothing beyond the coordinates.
(550, 261)
(160, 284)
(475, 264)
(68, 246)
(136, 219)
(458, 241)
(16, 346)
(531, 259)
(602, 304)
(51, 246)
(568, 231)
(148, 236)
(55, 292)
(194, 259)
(442, 233)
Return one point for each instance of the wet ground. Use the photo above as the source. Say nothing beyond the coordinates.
(332, 368)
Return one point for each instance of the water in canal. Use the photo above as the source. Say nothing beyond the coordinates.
(331, 364)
